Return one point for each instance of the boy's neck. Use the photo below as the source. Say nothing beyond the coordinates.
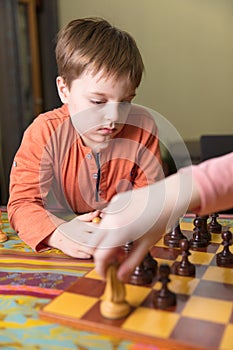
(95, 148)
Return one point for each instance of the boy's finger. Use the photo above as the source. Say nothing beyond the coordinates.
(83, 255)
(89, 216)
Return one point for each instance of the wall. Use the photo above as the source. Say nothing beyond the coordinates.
(187, 48)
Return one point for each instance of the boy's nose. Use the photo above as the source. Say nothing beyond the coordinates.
(112, 111)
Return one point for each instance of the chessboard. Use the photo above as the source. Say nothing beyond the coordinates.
(201, 319)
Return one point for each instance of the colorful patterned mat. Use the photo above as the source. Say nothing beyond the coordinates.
(28, 281)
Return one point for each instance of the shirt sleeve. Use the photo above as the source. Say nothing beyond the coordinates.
(30, 179)
(214, 179)
(149, 160)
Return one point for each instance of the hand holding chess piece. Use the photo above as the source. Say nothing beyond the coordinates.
(114, 305)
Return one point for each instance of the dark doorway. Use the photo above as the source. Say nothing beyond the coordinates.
(28, 31)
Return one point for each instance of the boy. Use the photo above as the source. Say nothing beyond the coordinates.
(75, 158)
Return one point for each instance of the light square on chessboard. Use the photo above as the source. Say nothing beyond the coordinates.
(164, 261)
(227, 340)
(216, 238)
(135, 295)
(220, 248)
(201, 258)
(160, 243)
(152, 322)
(93, 274)
(180, 284)
(208, 309)
(219, 274)
(186, 226)
(71, 305)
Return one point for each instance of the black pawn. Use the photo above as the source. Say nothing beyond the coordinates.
(198, 241)
(214, 226)
(184, 267)
(141, 276)
(173, 238)
(150, 263)
(225, 257)
(204, 228)
(164, 298)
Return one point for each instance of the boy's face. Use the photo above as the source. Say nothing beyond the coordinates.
(98, 106)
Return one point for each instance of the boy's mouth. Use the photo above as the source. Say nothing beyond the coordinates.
(107, 131)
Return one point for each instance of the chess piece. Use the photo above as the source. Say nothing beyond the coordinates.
(173, 238)
(96, 220)
(114, 306)
(225, 257)
(150, 263)
(141, 275)
(145, 271)
(198, 241)
(164, 298)
(184, 267)
(214, 226)
(204, 228)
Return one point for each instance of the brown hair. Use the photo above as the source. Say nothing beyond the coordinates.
(93, 43)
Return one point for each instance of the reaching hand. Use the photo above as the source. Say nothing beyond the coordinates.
(142, 216)
(128, 217)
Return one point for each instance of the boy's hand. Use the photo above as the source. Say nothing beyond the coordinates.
(67, 245)
(58, 240)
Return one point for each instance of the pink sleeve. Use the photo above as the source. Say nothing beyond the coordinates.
(214, 178)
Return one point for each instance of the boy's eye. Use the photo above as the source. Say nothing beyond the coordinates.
(97, 102)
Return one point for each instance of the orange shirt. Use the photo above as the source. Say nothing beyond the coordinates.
(54, 172)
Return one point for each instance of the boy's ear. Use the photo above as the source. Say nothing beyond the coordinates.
(63, 90)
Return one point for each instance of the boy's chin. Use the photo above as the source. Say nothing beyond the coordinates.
(100, 146)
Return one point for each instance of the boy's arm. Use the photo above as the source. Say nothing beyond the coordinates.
(81, 227)
(150, 168)
(30, 180)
